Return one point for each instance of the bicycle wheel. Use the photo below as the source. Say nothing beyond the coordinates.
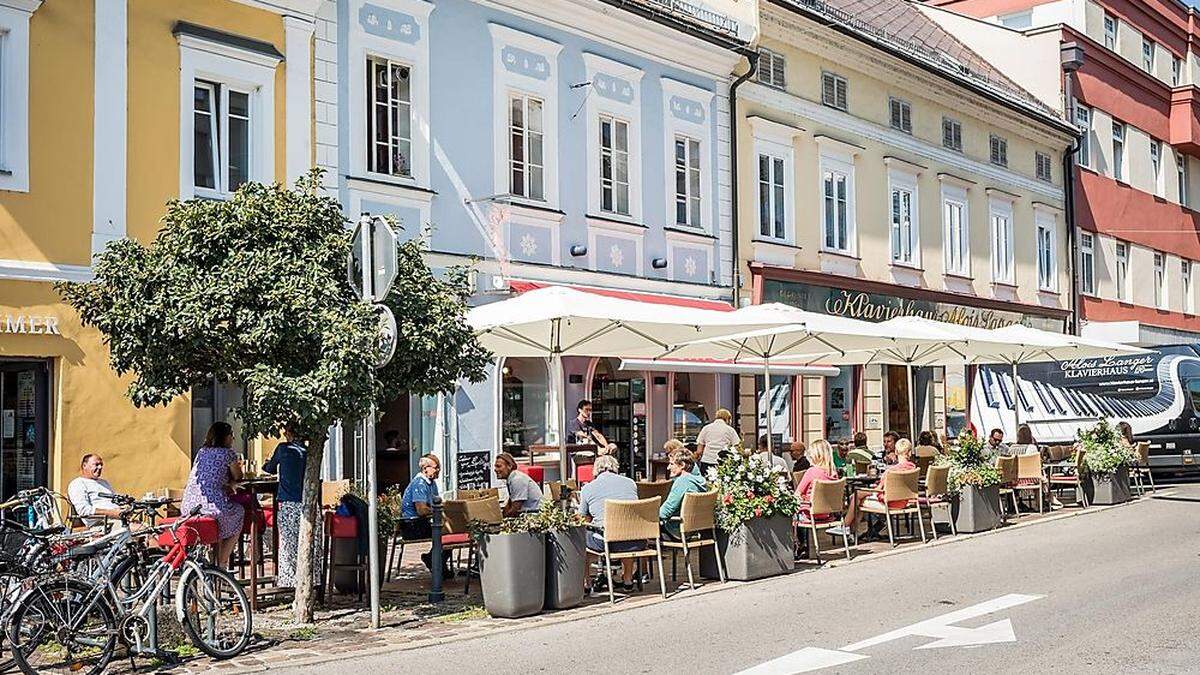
(214, 611)
(10, 591)
(56, 628)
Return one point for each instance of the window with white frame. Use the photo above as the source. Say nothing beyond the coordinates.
(772, 68)
(1042, 167)
(1189, 298)
(998, 150)
(956, 234)
(1122, 275)
(772, 197)
(1156, 165)
(1087, 263)
(614, 165)
(1176, 71)
(1083, 120)
(952, 134)
(14, 96)
(1110, 31)
(834, 90)
(687, 181)
(526, 147)
(389, 117)
(837, 204)
(905, 227)
(1001, 216)
(227, 132)
(1148, 49)
(1047, 257)
(1118, 147)
(1160, 280)
(900, 115)
(1181, 178)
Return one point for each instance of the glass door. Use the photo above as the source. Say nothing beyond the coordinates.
(24, 426)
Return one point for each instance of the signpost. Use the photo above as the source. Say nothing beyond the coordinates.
(371, 269)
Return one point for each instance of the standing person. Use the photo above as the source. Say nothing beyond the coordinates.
(683, 481)
(715, 438)
(87, 492)
(584, 432)
(764, 454)
(210, 486)
(608, 484)
(524, 494)
(288, 462)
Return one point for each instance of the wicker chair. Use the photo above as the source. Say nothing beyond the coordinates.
(1059, 479)
(937, 486)
(482, 493)
(828, 499)
(658, 488)
(626, 520)
(697, 528)
(1007, 466)
(898, 486)
(556, 487)
(456, 527)
(1142, 469)
(1029, 477)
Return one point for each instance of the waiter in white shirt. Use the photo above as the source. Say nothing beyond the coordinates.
(87, 490)
(714, 439)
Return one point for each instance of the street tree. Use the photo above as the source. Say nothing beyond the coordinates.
(252, 292)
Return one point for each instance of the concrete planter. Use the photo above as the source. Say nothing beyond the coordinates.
(566, 567)
(977, 509)
(758, 548)
(1104, 489)
(512, 571)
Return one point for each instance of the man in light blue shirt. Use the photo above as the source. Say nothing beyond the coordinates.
(608, 484)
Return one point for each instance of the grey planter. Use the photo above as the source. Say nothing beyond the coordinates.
(1104, 489)
(566, 567)
(977, 509)
(512, 571)
(758, 548)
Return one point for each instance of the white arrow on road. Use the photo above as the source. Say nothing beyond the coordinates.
(816, 658)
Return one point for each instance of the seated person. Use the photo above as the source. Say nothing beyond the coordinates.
(841, 458)
(820, 457)
(86, 492)
(674, 444)
(904, 452)
(607, 484)
(995, 445)
(524, 494)
(764, 453)
(416, 506)
(683, 481)
(797, 456)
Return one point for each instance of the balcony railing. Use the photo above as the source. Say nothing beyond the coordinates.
(694, 13)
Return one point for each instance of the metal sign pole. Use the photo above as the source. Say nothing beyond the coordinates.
(373, 517)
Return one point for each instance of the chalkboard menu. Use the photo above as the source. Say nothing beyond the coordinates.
(474, 470)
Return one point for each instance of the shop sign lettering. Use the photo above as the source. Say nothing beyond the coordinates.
(1138, 366)
(29, 324)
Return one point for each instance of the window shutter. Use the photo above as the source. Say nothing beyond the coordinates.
(828, 90)
(897, 122)
(777, 73)
(841, 92)
(947, 133)
(957, 135)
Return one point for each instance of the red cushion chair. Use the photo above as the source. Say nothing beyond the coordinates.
(269, 514)
(584, 473)
(343, 527)
(198, 530)
(460, 538)
(537, 473)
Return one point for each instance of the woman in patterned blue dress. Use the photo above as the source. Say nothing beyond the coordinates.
(210, 486)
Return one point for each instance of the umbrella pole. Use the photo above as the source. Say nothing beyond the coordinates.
(1017, 398)
(767, 397)
(560, 411)
(912, 403)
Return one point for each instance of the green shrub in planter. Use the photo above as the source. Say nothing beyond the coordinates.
(1106, 461)
(974, 482)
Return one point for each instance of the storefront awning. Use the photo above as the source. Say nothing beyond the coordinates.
(717, 366)
(654, 298)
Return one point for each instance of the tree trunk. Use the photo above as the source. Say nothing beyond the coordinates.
(310, 527)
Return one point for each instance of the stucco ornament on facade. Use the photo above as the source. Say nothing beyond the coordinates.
(616, 255)
(389, 24)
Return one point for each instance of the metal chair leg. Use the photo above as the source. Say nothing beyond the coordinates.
(816, 541)
(612, 598)
(891, 540)
(687, 560)
(921, 525)
(662, 579)
(1150, 475)
(720, 560)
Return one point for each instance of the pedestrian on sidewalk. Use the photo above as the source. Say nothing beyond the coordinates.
(288, 462)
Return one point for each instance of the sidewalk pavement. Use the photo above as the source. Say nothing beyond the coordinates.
(409, 621)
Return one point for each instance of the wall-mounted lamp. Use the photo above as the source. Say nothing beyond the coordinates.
(659, 263)
(578, 250)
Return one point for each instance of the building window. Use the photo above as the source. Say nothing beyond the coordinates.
(956, 231)
(1002, 242)
(833, 90)
(221, 138)
(687, 181)
(1122, 277)
(1160, 280)
(1181, 178)
(1156, 165)
(1176, 71)
(1047, 257)
(1017, 21)
(1087, 264)
(1148, 55)
(14, 95)
(836, 216)
(526, 153)
(1042, 166)
(614, 165)
(772, 68)
(952, 134)
(1189, 301)
(1118, 145)
(905, 229)
(1110, 32)
(900, 115)
(389, 118)
(772, 200)
(998, 150)
(1083, 120)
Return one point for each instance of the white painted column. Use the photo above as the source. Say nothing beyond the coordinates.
(110, 124)
(298, 34)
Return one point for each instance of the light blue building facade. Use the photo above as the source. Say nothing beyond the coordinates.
(570, 142)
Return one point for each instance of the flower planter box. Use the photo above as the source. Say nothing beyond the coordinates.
(758, 548)
(566, 567)
(512, 571)
(977, 509)
(1104, 489)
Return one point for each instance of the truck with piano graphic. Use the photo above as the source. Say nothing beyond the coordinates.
(1157, 393)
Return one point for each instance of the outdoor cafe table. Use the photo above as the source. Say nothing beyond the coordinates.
(264, 485)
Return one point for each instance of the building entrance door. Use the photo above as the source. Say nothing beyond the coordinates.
(898, 405)
(24, 426)
(619, 412)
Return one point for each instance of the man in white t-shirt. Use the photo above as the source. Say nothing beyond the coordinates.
(715, 438)
(524, 494)
(87, 491)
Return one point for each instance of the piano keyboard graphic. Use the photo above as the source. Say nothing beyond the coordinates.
(1055, 413)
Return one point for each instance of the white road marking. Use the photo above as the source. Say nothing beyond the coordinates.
(816, 658)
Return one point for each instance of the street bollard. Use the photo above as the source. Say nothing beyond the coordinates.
(435, 554)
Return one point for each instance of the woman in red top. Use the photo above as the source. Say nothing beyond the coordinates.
(904, 452)
(820, 457)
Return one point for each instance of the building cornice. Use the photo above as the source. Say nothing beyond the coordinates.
(301, 8)
(27, 6)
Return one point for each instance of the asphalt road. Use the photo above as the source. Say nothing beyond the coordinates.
(1114, 591)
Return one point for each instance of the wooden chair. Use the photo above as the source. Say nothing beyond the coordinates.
(937, 486)
(1007, 466)
(332, 492)
(1029, 477)
(1142, 469)
(697, 528)
(626, 520)
(481, 493)
(658, 488)
(900, 488)
(456, 527)
(1059, 478)
(829, 500)
(556, 487)
(860, 467)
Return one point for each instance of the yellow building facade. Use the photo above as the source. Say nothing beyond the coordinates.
(108, 110)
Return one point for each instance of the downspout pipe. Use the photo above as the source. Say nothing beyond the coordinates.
(1071, 57)
(752, 57)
